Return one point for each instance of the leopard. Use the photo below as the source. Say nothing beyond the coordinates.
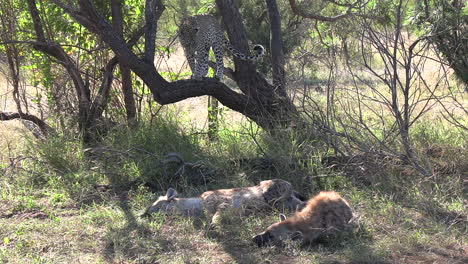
(199, 33)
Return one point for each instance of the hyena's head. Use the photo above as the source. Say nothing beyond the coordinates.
(281, 195)
(276, 233)
(164, 204)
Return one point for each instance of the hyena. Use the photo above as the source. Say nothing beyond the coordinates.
(268, 194)
(324, 215)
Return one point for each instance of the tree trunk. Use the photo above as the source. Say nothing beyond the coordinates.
(276, 46)
(52, 49)
(213, 122)
(276, 109)
(127, 89)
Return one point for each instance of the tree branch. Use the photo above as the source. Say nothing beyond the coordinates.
(57, 52)
(127, 89)
(153, 11)
(45, 129)
(101, 100)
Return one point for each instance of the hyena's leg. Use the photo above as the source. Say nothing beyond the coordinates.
(216, 218)
(227, 214)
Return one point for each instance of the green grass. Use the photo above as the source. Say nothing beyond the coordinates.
(112, 232)
(51, 212)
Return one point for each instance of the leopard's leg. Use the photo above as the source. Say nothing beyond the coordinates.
(189, 51)
(191, 62)
(218, 52)
(202, 63)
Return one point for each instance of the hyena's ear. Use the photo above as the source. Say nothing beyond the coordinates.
(282, 217)
(171, 194)
(300, 206)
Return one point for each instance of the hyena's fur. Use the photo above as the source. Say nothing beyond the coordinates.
(274, 193)
(324, 214)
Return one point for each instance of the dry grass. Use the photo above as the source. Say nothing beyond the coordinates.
(12, 133)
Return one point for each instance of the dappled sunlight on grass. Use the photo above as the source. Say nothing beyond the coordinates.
(69, 203)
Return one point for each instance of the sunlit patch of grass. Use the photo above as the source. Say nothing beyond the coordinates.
(440, 133)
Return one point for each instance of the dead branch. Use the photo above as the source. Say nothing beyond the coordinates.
(177, 158)
(45, 129)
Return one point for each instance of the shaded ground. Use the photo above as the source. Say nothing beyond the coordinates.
(111, 232)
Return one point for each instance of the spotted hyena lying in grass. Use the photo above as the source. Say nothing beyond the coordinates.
(324, 215)
(268, 194)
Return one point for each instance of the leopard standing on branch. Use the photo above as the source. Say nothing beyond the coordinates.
(198, 34)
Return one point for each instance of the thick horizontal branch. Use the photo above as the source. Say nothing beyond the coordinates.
(163, 91)
(183, 89)
(259, 101)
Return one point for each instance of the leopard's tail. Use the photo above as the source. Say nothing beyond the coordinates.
(259, 52)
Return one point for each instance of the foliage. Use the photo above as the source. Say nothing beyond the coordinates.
(445, 24)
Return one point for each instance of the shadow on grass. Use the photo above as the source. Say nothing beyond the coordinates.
(134, 241)
(408, 189)
(350, 247)
(240, 250)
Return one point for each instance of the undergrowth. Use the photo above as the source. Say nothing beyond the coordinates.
(66, 202)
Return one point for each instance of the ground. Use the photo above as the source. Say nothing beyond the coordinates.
(42, 229)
